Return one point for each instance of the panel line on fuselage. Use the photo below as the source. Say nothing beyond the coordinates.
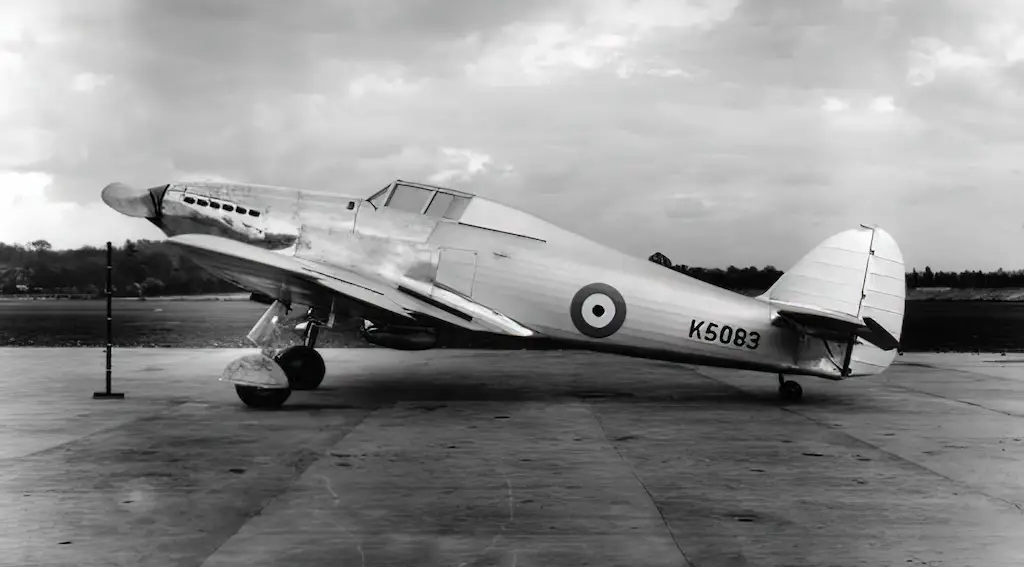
(503, 232)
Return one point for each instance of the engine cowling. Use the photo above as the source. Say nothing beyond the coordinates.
(398, 337)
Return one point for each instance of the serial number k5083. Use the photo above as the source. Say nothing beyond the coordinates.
(713, 332)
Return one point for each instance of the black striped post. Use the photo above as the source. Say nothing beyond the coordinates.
(108, 394)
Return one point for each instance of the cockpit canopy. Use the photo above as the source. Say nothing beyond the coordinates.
(419, 198)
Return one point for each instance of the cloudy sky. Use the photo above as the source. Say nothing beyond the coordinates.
(716, 131)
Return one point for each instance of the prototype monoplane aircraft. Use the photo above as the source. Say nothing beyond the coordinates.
(414, 259)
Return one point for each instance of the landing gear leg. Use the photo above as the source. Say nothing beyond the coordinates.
(310, 335)
(789, 390)
(259, 381)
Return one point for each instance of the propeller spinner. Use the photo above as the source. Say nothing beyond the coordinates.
(134, 202)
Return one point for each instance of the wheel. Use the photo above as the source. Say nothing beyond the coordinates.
(790, 391)
(303, 366)
(262, 398)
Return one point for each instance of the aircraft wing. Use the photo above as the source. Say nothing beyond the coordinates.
(305, 282)
(833, 325)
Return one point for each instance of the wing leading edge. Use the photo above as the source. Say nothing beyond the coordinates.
(240, 263)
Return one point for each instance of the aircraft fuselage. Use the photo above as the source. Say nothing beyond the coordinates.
(563, 286)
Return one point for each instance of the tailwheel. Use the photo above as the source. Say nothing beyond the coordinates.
(789, 390)
(262, 398)
(303, 366)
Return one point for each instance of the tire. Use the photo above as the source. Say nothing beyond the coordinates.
(303, 366)
(791, 391)
(262, 398)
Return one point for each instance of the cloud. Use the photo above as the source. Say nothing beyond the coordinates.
(833, 104)
(601, 39)
(687, 206)
(461, 165)
(883, 104)
(27, 215)
(87, 82)
(931, 56)
(731, 132)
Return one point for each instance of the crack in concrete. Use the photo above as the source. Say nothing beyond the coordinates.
(337, 500)
(503, 527)
(334, 494)
(267, 502)
(511, 506)
(664, 520)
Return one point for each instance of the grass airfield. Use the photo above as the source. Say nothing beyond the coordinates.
(454, 457)
(223, 321)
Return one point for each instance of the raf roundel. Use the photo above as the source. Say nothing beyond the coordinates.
(598, 310)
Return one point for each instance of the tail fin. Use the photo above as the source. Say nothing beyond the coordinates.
(850, 293)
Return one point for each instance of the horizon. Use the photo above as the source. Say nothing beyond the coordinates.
(909, 269)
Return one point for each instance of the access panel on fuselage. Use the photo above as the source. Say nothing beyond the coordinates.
(456, 270)
(335, 214)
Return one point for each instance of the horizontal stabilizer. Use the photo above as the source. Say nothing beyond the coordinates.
(818, 317)
(835, 326)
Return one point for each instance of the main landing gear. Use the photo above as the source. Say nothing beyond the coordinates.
(302, 364)
(266, 379)
(789, 390)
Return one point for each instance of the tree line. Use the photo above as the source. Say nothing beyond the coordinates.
(141, 268)
(760, 279)
(154, 268)
(733, 278)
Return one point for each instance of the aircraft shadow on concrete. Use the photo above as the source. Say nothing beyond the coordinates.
(371, 390)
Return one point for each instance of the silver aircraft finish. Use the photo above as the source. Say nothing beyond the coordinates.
(415, 258)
